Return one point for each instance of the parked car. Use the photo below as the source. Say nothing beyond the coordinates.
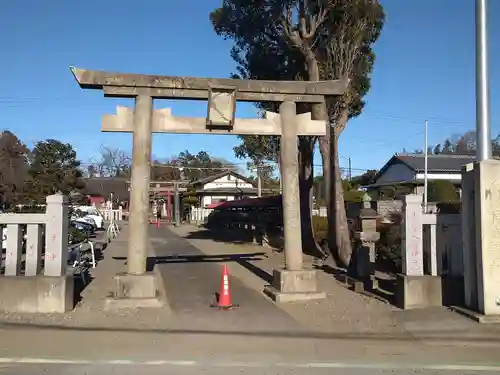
(82, 217)
(83, 225)
(85, 220)
(93, 213)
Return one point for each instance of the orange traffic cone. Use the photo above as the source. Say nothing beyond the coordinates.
(224, 301)
(157, 223)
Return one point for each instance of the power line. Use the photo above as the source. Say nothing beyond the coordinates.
(15, 102)
(228, 168)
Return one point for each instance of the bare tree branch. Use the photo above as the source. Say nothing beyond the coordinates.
(112, 162)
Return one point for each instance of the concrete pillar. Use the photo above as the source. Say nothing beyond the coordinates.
(487, 215)
(290, 177)
(13, 255)
(34, 246)
(469, 237)
(56, 235)
(412, 256)
(414, 289)
(139, 188)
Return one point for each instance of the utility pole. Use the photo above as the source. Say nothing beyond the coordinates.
(482, 90)
(258, 168)
(350, 169)
(426, 157)
(259, 183)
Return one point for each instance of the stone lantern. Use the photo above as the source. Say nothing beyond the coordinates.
(366, 237)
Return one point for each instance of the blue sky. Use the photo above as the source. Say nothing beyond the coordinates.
(424, 69)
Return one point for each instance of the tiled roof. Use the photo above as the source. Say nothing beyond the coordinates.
(104, 186)
(435, 163)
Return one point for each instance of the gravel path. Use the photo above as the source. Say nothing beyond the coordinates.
(345, 313)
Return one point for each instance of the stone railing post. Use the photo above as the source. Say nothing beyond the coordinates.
(14, 250)
(56, 235)
(412, 248)
(34, 246)
(413, 288)
(366, 238)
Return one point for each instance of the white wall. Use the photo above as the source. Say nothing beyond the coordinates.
(211, 199)
(227, 182)
(440, 176)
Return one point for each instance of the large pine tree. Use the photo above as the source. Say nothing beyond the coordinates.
(53, 168)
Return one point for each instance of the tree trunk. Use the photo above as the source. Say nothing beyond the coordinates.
(338, 231)
(324, 147)
(306, 153)
(318, 112)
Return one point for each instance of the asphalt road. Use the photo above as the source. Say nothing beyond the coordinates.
(231, 369)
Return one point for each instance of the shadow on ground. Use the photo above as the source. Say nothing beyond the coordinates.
(244, 260)
(449, 336)
(272, 237)
(82, 280)
(386, 291)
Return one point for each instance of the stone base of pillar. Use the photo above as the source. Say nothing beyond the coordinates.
(476, 316)
(416, 292)
(291, 286)
(132, 291)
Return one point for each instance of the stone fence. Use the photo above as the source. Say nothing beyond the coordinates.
(432, 257)
(258, 221)
(199, 214)
(112, 215)
(35, 269)
(384, 208)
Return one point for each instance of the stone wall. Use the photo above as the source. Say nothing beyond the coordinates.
(35, 276)
(383, 208)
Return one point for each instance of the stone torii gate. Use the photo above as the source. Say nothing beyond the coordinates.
(137, 287)
(173, 188)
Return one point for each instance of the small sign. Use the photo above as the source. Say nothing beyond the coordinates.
(221, 107)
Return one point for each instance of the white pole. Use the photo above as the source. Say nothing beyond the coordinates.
(482, 92)
(111, 211)
(259, 182)
(425, 166)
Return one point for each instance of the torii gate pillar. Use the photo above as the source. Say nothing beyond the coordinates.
(293, 283)
(139, 186)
